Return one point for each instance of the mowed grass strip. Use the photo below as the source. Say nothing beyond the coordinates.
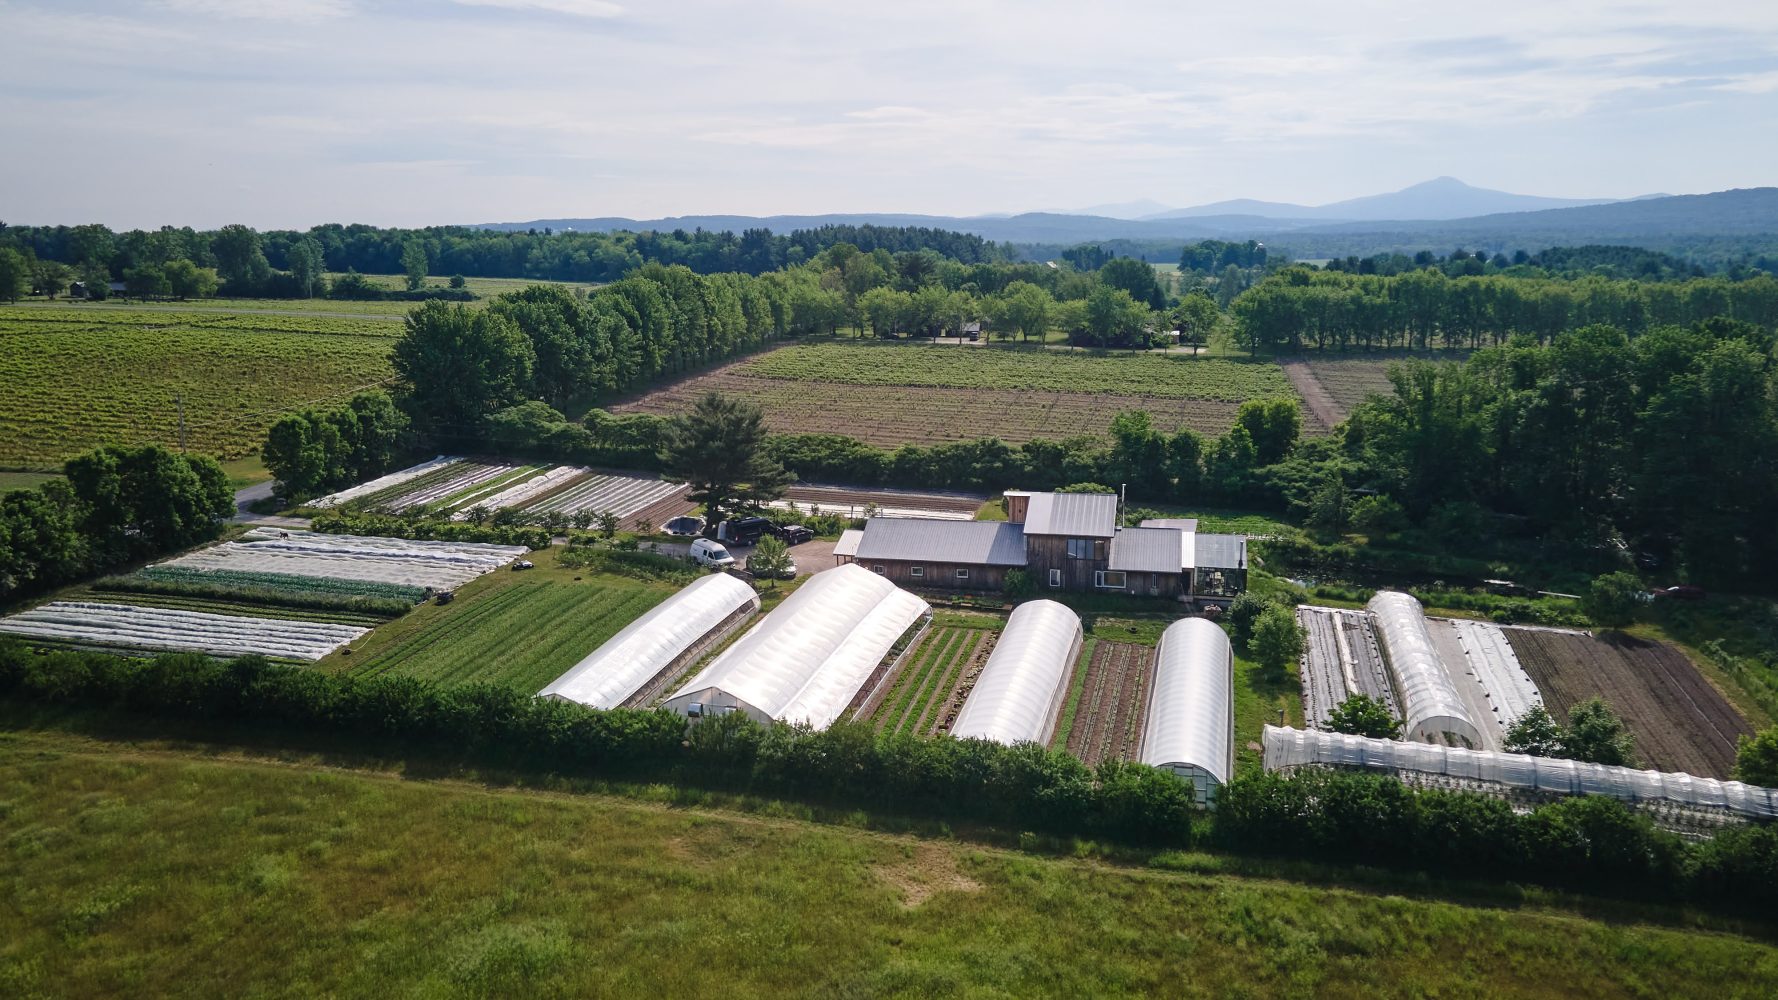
(164, 872)
(886, 364)
(66, 387)
(524, 634)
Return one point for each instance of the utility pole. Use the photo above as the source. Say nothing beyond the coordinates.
(181, 401)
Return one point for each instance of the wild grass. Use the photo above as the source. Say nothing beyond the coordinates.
(151, 871)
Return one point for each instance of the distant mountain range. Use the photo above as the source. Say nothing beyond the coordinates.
(1415, 217)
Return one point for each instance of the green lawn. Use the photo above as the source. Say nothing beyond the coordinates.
(518, 628)
(150, 869)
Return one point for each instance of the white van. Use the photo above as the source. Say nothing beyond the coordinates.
(708, 552)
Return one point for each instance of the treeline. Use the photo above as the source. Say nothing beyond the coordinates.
(1422, 309)
(319, 451)
(1593, 843)
(114, 506)
(1593, 260)
(289, 263)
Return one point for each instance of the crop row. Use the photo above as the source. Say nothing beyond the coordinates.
(1064, 371)
(282, 582)
(243, 606)
(37, 319)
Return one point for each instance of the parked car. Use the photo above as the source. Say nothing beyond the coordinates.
(744, 530)
(1683, 592)
(710, 553)
(788, 573)
(793, 534)
(687, 525)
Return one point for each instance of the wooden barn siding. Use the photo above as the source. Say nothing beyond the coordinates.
(941, 576)
(1046, 552)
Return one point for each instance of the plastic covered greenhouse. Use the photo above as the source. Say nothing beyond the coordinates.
(1021, 688)
(1477, 769)
(1190, 729)
(615, 672)
(811, 656)
(1430, 704)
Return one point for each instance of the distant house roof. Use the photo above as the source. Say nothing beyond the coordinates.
(972, 327)
(1221, 551)
(920, 539)
(1150, 550)
(848, 543)
(1077, 515)
(1178, 523)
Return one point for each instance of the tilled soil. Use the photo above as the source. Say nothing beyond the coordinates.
(1679, 721)
(1108, 721)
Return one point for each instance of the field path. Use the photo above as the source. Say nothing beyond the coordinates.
(1315, 395)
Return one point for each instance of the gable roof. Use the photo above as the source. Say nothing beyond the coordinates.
(924, 539)
(1077, 515)
(1150, 550)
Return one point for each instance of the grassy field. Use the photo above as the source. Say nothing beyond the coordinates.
(71, 380)
(892, 393)
(143, 869)
(484, 287)
(522, 629)
(25, 480)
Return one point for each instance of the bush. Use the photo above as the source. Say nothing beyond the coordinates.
(1244, 612)
(636, 565)
(425, 529)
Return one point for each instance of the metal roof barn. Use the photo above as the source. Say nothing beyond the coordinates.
(1077, 515)
(1430, 704)
(1190, 729)
(1219, 551)
(1287, 748)
(982, 543)
(1022, 686)
(629, 660)
(810, 657)
(1150, 550)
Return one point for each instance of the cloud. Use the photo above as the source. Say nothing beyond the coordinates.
(264, 10)
(573, 8)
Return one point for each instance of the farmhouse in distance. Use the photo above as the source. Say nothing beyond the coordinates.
(1063, 541)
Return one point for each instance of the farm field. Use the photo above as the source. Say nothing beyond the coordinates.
(507, 892)
(384, 311)
(460, 486)
(72, 380)
(522, 629)
(1337, 382)
(1341, 658)
(934, 680)
(889, 394)
(1678, 720)
(1108, 716)
(485, 287)
(129, 626)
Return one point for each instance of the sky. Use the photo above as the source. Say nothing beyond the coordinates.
(291, 113)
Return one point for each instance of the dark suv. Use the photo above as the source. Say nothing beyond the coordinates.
(793, 534)
(745, 530)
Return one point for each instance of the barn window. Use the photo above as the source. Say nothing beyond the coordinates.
(1110, 579)
(963, 574)
(878, 570)
(916, 571)
(1080, 548)
(1055, 578)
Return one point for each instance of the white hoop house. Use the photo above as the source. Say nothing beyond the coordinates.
(1430, 704)
(615, 672)
(1190, 729)
(811, 656)
(1288, 748)
(1022, 686)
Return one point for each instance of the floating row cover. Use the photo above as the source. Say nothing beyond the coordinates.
(1021, 688)
(1190, 728)
(1430, 704)
(808, 658)
(1286, 748)
(614, 672)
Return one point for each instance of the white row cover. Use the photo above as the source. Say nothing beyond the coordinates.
(614, 672)
(1511, 691)
(808, 658)
(520, 493)
(353, 557)
(620, 493)
(472, 474)
(384, 482)
(1022, 686)
(1430, 704)
(1190, 729)
(135, 627)
(1286, 748)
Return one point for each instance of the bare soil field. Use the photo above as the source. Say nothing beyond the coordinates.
(1678, 720)
(1315, 395)
(1338, 642)
(905, 503)
(894, 415)
(1108, 722)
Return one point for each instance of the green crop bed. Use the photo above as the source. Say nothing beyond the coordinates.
(890, 364)
(71, 380)
(928, 677)
(507, 628)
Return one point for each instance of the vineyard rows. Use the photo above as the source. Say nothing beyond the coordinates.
(69, 383)
(1349, 381)
(134, 627)
(888, 417)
